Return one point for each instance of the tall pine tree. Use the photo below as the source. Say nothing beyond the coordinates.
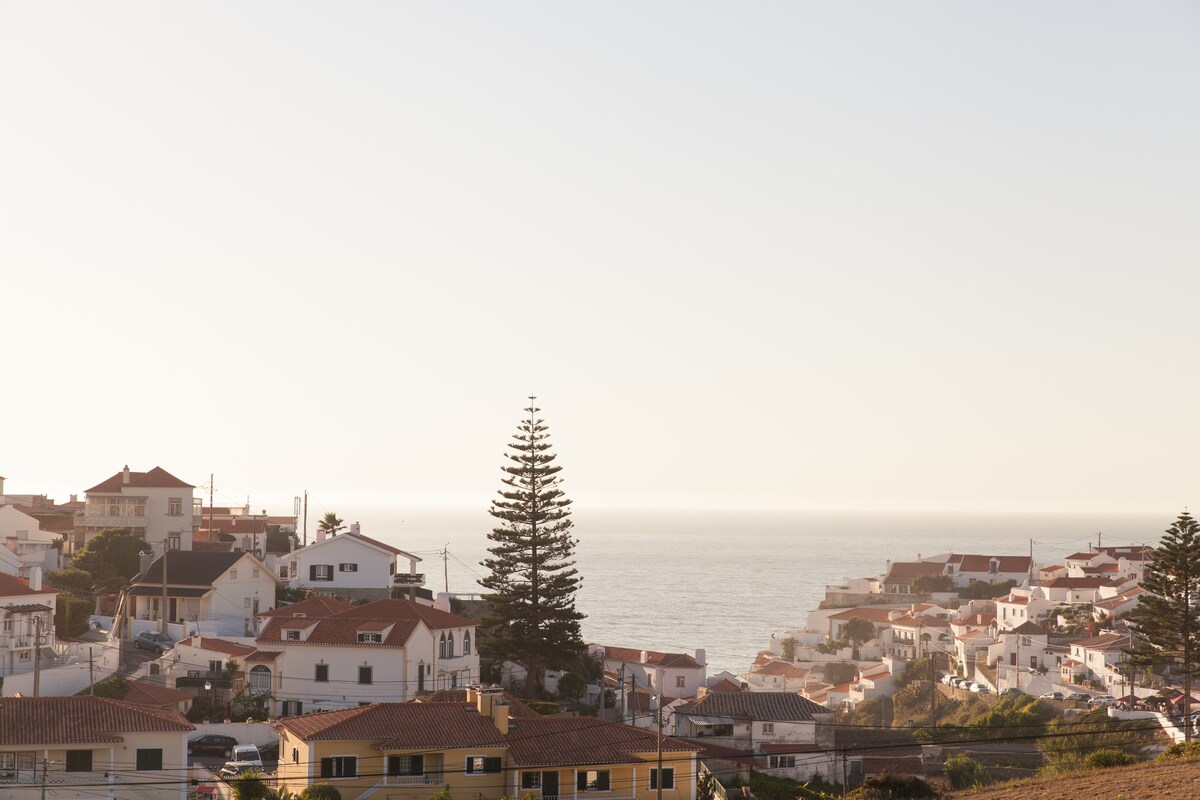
(1167, 619)
(531, 614)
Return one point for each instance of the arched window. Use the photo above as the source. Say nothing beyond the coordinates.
(442, 647)
(450, 645)
(467, 643)
(260, 679)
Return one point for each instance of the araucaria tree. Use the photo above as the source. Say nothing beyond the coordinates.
(531, 614)
(1167, 619)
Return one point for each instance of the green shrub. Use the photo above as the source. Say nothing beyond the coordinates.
(71, 616)
(323, 791)
(1109, 757)
(1181, 751)
(964, 772)
(895, 787)
(545, 707)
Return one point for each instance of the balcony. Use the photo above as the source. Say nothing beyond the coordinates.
(107, 521)
(196, 679)
(409, 579)
(430, 779)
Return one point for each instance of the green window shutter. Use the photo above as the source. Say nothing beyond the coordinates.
(581, 782)
(326, 767)
(602, 781)
(416, 765)
(491, 764)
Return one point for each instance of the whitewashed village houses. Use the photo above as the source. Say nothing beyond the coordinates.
(351, 566)
(156, 505)
(26, 607)
(218, 592)
(21, 534)
(674, 675)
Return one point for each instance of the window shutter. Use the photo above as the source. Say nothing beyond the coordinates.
(581, 781)
(326, 767)
(653, 779)
(416, 765)
(393, 767)
(491, 764)
(602, 781)
(312, 572)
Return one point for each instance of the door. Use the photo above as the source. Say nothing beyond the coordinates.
(549, 785)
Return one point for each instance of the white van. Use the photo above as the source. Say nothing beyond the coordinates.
(247, 753)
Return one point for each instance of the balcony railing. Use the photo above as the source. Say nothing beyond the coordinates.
(429, 779)
(107, 521)
(409, 579)
(197, 678)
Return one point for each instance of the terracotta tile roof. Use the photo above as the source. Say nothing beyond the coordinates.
(980, 563)
(400, 726)
(781, 668)
(377, 543)
(202, 546)
(343, 626)
(517, 709)
(220, 646)
(1029, 629)
(1082, 556)
(319, 606)
(80, 720)
(762, 706)
(549, 741)
(262, 656)
(1013, 600)
(869, 613)
(909, 571)
(724, 685)
(653, 657)
(150, 694)
(157, 478)
(722, 753)
(1077, 583)
(12, 586)
(1105, 641)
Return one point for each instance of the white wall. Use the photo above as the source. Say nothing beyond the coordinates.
(373, 565)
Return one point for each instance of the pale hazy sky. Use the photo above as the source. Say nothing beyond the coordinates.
(787, 255)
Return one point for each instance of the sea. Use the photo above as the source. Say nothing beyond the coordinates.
(726, 581)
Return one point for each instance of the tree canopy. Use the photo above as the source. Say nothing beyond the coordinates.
(331, 524)
(532, 580)
(111, 558)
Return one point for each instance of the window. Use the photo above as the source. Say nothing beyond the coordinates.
(776, 762)
(175, 507)
(406, 765)
(531, 780)
(295, 756)
(680, 681)
(467, 643)
(149, 758)
(370, 638)
(233, 574)
(442, 646)
(768, 727)
(364, 674)
(215, 666)
(245, 602)
(339, 767)
(593, 780)
(322, 673)
(79, 761)
(668, 778)
(450, 645)
(347, 567)
(10, 763)
(292, 708)
(254, 573)
(320, 572)
(260, 679)
(293, 636)
(478, 765)
(283, 571)
(173, 541)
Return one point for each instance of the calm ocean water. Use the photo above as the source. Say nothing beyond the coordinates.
(725, 580)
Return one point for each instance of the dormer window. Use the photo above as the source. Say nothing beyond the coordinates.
(369, 637)
(993, 566)
(293, 636)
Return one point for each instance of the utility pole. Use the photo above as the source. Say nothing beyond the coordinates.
(37, 661)
(91, 673)
(446, 567)
(845, 771)
(305, 518)
(211, 488)
(163, 616)
(45, 773)
(659, 782)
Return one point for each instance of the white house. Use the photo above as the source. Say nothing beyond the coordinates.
(26, 608)
(1020, 606)
(1021, 653)
(967, 567)
(674, 675)
(223, 592)
(158, 506)
(350, 565)
(1073, 591)
(324, 653)
(776, 676)
(86, 747)
(22, 535)
(1097, 658)
(792, 734)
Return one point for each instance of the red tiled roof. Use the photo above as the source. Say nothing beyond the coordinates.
(343, 626)
(12, 586)
(400, 726)
(781, 668)
(319, 606)
(517, 709)
(157, 478)
(549, 741)
(80, 720)
(220, 646)
(631, 656)
(376, 542)
(263, 655)
(1084, 556)
(1077, 583)
(725, 685)
(149, 694)
(871, 614)
(761, 706)
(980, 563)
(908, 571)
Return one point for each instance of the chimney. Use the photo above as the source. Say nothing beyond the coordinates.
(320, 535)
(74, 497)
(1, 484)
(125, 475)
(35, 579)
(644, 658)
(701, 656)
(355, 528)
(491, 703)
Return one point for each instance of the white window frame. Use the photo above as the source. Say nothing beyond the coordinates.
(348, 567)
(467, 765)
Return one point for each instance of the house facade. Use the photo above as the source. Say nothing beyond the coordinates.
(674, 675)
(351, 566)
(26, 608)
(224, 592)
(328, 655)
(82, 747)
(156, 505)
(22, 535)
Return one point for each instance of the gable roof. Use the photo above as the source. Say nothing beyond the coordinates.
(157, 478)
(342, 627)
(548, 741)
(725, 685)
(631, 656)
(189, 568)
(972, 562)
(12, 586)
(1105, 641)
(400, 726)
(367, 540)
(1029, 629)
(764, 706)
(149, 694)
(1077, 583)
(517, 708)
(80, 720)
(784, 669)
(219, 646)
(908, 571)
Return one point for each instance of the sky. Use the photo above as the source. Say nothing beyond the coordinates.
(871, 256)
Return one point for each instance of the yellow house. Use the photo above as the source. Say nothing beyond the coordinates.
(410, 751)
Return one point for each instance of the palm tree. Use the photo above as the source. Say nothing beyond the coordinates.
(331, 524)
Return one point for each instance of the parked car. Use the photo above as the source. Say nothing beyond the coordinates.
(981, 688)
(156, 642)
(234, 769)
(212, 744)
(269, 752)
(1079, 696)
(1103, 700)
(1011, 690)
(948, 679)
(247, 754)
(1052, 696)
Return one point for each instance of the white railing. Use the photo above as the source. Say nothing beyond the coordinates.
(432, 779)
